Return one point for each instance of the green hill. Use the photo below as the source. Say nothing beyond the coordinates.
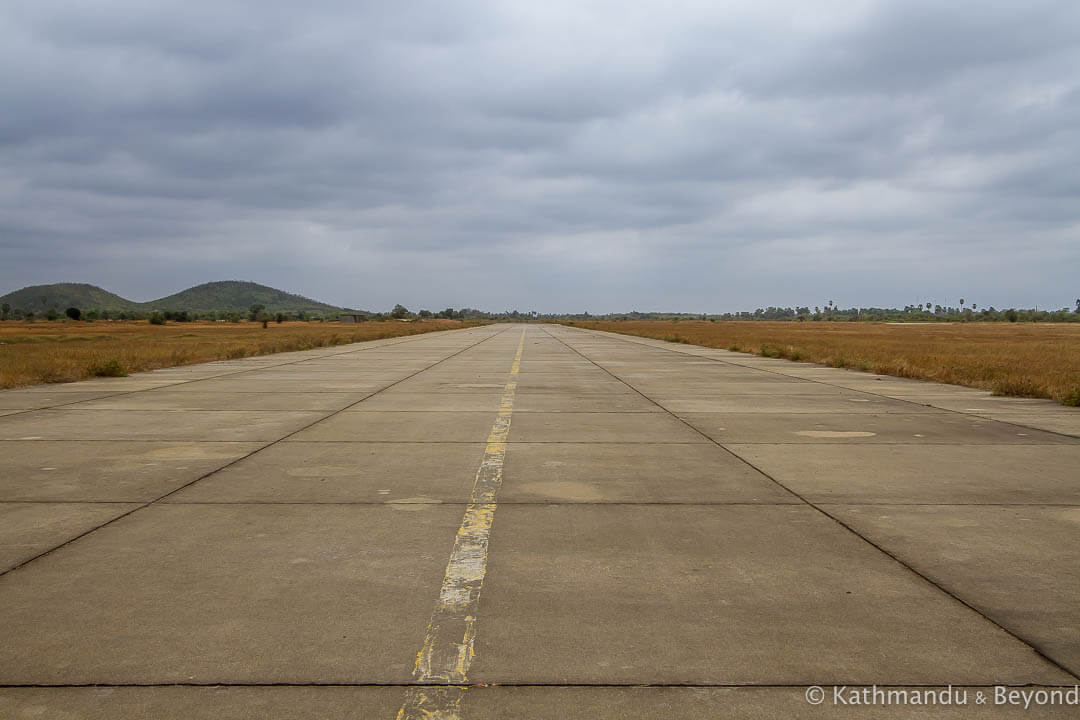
(225, 295)
(237, 295)
(64, 295)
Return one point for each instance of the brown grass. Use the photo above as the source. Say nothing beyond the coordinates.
(43, 352)
(1027, 360)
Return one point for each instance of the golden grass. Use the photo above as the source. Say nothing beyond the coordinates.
(1027, 360)
(43, 352)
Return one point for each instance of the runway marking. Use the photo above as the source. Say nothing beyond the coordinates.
(448, 644)
(834, 433)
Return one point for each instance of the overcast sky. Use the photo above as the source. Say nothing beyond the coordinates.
(556, 156)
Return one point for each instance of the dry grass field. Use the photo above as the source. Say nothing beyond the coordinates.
(43, 352)
(1027, 360)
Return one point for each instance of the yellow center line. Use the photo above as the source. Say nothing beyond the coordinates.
(448, 644)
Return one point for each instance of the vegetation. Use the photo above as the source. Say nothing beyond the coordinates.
(234, 294)
(39, 298)
(1026, 360)
(921, 313)
(209, 298)
(67, 351)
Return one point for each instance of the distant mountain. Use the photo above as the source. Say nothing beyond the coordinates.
(64, 295)
(225, 295)
(237, 295)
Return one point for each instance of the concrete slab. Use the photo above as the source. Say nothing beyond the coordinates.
(428, 402)
(230, 594)
(308, 385)
(1067, 423)
(320, 376)
(32, 399)
(466, 387)
(980, 402)
(729, 594)
(77, 471)
(197, 703)
(916, 428)
(840, 403)
(484, 703)
(140, 381)
(750, 703)
(189, 425)
(885, 385)
(601, 427)
(319, 472)
(528, 401)
(757, 388)
(195, 400)
(133, 383)
(850, 473)
(391, 426)
(29, 529)
(626, 473)
(661, 369)
(571, 385)
(1016, 564)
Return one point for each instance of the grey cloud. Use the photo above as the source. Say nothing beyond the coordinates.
(555, 156)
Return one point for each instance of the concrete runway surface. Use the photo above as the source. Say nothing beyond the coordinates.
(534, 521)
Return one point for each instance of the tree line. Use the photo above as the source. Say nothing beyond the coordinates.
(255, 313)
(829, 312)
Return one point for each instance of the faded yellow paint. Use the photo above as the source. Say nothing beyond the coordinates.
(448, 650)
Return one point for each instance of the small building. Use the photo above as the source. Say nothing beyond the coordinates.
(352, 317)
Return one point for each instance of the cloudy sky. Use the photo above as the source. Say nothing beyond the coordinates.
(556, 156)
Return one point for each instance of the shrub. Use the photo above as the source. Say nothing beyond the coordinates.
(1019, 387)
(157, 319)
(73, 312)
(107, 368)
